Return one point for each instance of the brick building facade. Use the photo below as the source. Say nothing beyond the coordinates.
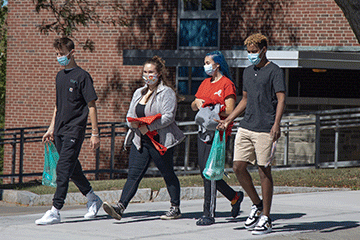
(317, 25)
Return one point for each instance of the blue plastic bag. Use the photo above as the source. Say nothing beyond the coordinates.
(51, 157)
(214, 169)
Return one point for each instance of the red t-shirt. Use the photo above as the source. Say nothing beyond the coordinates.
(217, 92)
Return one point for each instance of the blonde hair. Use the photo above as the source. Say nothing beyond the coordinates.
(257, 39)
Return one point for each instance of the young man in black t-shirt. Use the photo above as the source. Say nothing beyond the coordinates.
(263, 102)
(75, 100)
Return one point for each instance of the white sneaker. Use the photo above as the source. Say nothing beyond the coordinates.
(49, 217)
(264, 226)
(93, 207)
(253, 218)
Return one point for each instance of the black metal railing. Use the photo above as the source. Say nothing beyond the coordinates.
(319, 121)
(18, 137)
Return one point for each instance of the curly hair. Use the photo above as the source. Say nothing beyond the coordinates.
(257, 39)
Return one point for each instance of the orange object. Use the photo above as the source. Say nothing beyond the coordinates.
(147, 121)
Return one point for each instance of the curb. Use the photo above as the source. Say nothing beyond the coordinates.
(142, 195)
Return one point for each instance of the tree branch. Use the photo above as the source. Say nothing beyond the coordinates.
(351, 10)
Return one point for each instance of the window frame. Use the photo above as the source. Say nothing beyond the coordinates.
(198, 15)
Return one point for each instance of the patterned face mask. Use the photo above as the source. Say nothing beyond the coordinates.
(150, 79)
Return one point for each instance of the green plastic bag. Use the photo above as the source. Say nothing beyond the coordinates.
(51, 158)
(214, 169)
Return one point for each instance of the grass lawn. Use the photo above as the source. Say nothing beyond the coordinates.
(333, 178)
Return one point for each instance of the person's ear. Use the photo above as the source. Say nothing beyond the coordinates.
(72, 52)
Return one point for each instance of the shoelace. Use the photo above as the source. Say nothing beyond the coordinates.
(172, 211)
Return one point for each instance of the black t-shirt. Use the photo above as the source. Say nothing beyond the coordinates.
(261, 85)
(140, 110)
(74, 90)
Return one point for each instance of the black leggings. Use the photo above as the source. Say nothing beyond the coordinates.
(139, 161)
(221, 185)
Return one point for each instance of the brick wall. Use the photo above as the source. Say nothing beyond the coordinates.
(32, 65)
(286, 23)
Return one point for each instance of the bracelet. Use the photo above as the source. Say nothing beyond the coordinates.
(94, 135)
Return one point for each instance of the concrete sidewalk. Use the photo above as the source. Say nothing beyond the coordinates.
(142, 195)
(317, 215)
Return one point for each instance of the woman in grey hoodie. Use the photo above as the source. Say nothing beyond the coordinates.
(155, 98)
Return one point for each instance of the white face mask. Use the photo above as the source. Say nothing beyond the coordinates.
(150, 79)
(209, 70)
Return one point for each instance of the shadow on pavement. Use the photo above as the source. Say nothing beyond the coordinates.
(275, 217)
(322, 226)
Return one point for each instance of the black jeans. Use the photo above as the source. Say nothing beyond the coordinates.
(139, 161)
(68, 167)
(221, 185)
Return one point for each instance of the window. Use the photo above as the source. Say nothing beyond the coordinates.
(189, 79)
(199, 24)
(195, 5)
(198, 28)
(198, 33)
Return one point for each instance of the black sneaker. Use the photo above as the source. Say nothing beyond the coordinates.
(173, 213)
(263, 226)
(253, 218)
(114, 211)
(235, 208)
(205, 221)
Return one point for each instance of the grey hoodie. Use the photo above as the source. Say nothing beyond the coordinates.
(162, 101)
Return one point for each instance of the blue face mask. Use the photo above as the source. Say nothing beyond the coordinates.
(63, 60)
(254, 58)
(209, 70)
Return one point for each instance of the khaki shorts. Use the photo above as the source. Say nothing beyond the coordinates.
(253, 147)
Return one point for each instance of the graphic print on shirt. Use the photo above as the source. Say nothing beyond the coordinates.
(218, 93)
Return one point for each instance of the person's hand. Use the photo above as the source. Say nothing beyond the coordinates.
(143, 129)
(275, 132)
(199, 103)
(48, 136)
(222, 124)
(135, 124)
(95, 142)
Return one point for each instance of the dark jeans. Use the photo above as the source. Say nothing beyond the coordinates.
(221, 185)
(139, 161)
(68, 167)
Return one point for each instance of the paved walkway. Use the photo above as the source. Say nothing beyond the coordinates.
(315, 216)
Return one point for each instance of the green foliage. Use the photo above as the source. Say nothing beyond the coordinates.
(3, 44)
(69, 15)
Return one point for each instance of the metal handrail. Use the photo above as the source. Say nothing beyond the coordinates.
(318, 121)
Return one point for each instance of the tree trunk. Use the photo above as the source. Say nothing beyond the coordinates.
(351, 9)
